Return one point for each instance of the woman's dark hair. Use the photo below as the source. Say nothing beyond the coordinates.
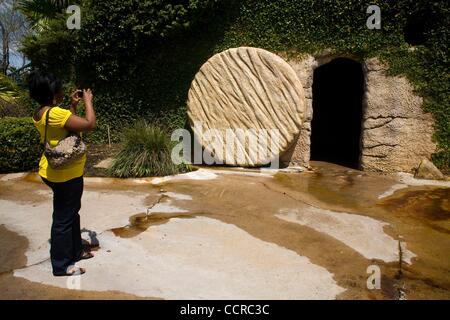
(43, 87)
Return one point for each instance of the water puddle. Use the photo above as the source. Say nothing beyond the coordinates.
(12, 250)
(337, 186)
(142, 221)
(429, 204)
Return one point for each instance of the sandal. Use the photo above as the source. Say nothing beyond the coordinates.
(85, 255)
(88, 246)
(74, 271)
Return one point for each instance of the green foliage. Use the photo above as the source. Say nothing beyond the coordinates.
(14, 109)
(14, 101)
(115, 30)
(41, 12)
(146, 152)
(9, 92)
(20, 148)
(53, 48)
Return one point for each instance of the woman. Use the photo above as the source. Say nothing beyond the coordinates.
(67, 182)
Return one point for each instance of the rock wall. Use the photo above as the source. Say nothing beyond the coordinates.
(396, 133)
(299, 152)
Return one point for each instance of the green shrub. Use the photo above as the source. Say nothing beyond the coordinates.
(146, 151)
(14, 100)
(53, 48)
(20, 148)
(8, 89)
(8, 109)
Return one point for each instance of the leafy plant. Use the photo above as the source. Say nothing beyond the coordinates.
(52, 49)
(114, 31)
(9, 92)
(146, 151)
(12, 99)
(20, 148)
(13, 109)
(40, 12)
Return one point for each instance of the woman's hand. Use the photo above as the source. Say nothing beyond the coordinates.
(79, 124)
(87, 96)
(75, 99)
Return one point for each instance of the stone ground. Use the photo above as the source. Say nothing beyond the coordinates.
(236, 234)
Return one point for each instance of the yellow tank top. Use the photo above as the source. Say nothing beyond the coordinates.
(55, 132)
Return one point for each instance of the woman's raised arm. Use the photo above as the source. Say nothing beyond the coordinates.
(79, 124)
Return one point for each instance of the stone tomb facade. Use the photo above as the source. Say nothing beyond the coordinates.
(327, 108)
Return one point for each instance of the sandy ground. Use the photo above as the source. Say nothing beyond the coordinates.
(235, 234)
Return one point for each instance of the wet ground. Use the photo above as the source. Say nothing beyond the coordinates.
(249, 234)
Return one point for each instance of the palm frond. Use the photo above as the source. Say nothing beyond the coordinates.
(39, 12)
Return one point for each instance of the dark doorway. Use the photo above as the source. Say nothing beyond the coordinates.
(337, 112)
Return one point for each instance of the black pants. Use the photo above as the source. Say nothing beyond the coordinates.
(66, 247)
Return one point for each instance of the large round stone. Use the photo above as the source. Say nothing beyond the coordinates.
(249, 92)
